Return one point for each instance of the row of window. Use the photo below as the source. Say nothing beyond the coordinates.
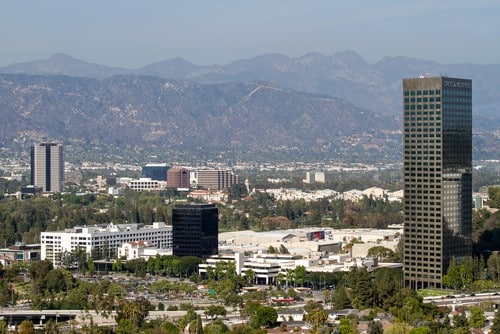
(418, 122)
(420, 100)
(457, 92)
(457, 100)
(422, 92)
(423, 106)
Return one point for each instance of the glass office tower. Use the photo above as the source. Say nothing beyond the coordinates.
(437, 164)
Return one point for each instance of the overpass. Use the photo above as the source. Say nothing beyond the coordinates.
(13, 316)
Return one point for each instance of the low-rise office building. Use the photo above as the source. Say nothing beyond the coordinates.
(140, 250)
(103, 239)
(19, 252)
(143, 184)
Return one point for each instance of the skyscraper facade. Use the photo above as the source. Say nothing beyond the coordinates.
(195, 229)
(216, 179)
(178, 177)
(47, 167)
(437, 164)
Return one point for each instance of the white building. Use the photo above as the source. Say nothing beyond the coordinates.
(140, 250)
(102, 238)
(319, 177)
(143, 184)
(209, 196)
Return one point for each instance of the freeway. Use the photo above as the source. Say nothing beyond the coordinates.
(15, 316)
(472, 299)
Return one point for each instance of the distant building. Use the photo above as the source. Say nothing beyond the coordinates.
(308, 178)
(104, 240)
(195, 229)
(316, 177)
(47, 167)
(319, 177)
(216, 179)
(437, 162)
(140, 250)
(178, 177)
(20, 252)
(208, 196)
(156, 172)
(143, 184)
(31, 191)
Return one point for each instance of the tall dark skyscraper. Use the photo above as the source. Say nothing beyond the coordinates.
(437, 177)
(195, 230)
(47, 167)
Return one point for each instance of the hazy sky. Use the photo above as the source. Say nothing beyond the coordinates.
(136, 33)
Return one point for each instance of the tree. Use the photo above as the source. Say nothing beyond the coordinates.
(345, 327)
(493, 264)
(126, 326)
(280, 278)
(265, 316)
(236, 191)
(117, 265)
(26, 327)
(135, 311)
(91, 266)
(477, 317)
(300, 275)
(196, 326)
(290, 277)
(398, 328)
(249, 276)
(4, 329)
(387, 283)
(317, 318)
(421, 330)
(363, 289)
(340, 299)
(216, 327)
(375, 327)
(495, 328)
(381, 253)
(215, 310)
(460, 321)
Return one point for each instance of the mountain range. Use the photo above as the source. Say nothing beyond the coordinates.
(337, 106)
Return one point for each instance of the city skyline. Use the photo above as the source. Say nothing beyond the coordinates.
(130, 34)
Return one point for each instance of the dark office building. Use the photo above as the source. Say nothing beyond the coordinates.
(195, 229)
(156, 172)
(437, 177)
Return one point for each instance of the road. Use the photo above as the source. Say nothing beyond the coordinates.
(454, 300)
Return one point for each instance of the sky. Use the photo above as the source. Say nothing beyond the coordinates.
(131, 34)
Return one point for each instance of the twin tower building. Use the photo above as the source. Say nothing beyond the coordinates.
(47, 167)
(437, 167)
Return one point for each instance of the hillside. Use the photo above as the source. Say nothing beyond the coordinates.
(344, 75)
(149, 112)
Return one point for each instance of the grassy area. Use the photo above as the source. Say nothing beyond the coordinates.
(434, 292)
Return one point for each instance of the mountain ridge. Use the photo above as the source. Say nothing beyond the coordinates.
(139, 110)
(344, 74)
(211, 97)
